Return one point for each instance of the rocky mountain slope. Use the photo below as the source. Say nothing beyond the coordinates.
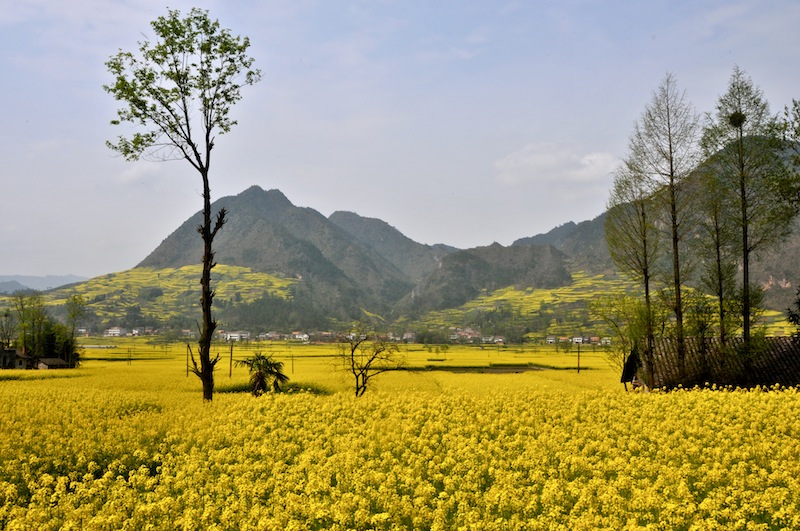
(415, 260)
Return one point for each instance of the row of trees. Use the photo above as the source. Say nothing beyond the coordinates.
(694, 203)
(30, 328)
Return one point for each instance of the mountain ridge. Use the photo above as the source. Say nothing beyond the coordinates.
(348, 264)
(11, 283)
(347, 267)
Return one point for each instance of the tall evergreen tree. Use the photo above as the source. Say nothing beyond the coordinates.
(744, 143)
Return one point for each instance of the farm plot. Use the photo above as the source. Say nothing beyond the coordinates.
(132, 446)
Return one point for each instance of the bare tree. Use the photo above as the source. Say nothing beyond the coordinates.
(633, 241)
(180, 90)
(366, 355)
(665, 150)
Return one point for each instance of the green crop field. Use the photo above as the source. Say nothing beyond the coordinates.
(126, 442)
(163, 294)
(168, 292)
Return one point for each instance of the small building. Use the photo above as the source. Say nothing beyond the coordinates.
(237, 336)
(13, 359)
(300, 336)
(115, 331)
(23, 361)
(52, 363)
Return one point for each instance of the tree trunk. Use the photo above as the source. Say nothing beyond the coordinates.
(207, 296)
(650, 347)
(723, 337)
(676, 275)
(650, 339)
(746, 310)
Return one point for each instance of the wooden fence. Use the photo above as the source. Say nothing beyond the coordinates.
(769, 361)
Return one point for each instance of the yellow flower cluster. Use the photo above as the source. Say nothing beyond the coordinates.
(79, 453)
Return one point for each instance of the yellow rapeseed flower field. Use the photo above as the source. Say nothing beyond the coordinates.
(118, 445)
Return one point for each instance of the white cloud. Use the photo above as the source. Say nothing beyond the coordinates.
(548, 162)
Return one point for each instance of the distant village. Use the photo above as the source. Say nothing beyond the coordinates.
(15, 359)
(464, 336)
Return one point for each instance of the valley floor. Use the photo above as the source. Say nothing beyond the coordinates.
(127, 443)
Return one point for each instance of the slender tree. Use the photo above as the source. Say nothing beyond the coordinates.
(32, 318)
(8, 328)
(76, 310)
(745, 146)
(716, 247)
(665, 150)
(633, 242)
(179, 90)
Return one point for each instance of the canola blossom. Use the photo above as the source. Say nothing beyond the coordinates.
(122, 448)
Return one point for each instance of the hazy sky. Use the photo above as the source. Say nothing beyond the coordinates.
(458, 122)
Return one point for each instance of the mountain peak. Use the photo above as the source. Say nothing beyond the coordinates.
(270, 198)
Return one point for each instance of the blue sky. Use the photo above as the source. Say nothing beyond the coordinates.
(462, 122)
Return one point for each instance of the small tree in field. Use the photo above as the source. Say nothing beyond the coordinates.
(179, 90)
(366, 355)
(265, 372)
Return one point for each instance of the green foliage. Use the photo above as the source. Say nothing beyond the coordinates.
(265, 372)
(158, 295)
(193, 71)
(510, 311)
(38, 335)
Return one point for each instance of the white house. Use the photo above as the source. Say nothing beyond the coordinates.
(115, 331)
